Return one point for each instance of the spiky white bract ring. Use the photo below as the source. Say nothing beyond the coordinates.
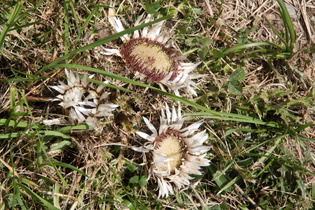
(176, 151)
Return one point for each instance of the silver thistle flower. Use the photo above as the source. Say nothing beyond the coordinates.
(85, 101)
(176, 151)
(148, 53)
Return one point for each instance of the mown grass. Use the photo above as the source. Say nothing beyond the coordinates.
(257, 102)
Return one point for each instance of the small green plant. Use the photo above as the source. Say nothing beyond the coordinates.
(285, 50)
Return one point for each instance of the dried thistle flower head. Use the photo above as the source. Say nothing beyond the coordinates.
(150, 58)
(148, 52)
(176, 151)
(84, 101)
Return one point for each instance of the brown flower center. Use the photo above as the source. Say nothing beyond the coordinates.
(150, 58)
(171, 144)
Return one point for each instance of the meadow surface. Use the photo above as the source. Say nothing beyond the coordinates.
(256, 100)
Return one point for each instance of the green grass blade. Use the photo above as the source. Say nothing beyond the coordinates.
(14, 123)
(54, 133)
(9, 135)
(15, 12)
(267, 155)
(22, 79)
(17, 194)
(127, 80)
(66, 166)
(277, 33)
(108, 85)
(70, 128)
(26, 25)
(289, 28)
(71, 4)
(207, 112)
(42, 148)
(234, 117)
(66, 32)
(227, 186)
(86, 21)
(37, 197)
(245, 46)
(219, 177)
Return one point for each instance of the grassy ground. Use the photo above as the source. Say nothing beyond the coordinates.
(257, 102)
